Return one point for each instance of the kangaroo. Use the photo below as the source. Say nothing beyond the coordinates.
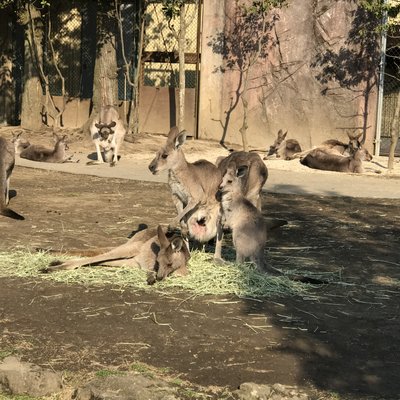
(20, 144)
(150, 249)
(107, 131)
(346, 149)
(282, 148)
(320, 159)
(39, 153)
(7, 161)
(192, 184)
(256, 173)
(249, 230)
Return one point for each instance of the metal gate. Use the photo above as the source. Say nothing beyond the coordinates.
(160, 69)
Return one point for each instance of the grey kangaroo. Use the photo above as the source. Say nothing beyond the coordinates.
(107, 131)
(320, 159)
(249, 230)
(7, 161)
(42, 154)
(192, 184)
(20, 143)
(283, 148)
(150, 249)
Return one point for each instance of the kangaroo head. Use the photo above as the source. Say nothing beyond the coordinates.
(61, 141)
(105, 130)
(231, 181)
(363, 154)
(19, 142)
(278, 141)
(172, 256)
(168, 156)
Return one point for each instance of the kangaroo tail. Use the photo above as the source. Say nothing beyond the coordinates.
(7, 212)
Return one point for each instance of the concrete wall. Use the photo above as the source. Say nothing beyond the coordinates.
(288, 93)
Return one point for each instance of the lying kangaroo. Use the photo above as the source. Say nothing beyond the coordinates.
(42, 154)
(7, 161)
(192, 184)
(320, 159)
(285, 149)
(249, 231)
(20, 143)
(107, 131)
(149, 249)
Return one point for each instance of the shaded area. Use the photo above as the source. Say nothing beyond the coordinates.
(341, 338)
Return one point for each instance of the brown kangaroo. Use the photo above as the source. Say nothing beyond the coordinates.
(192, 184)
(42, 154)
(7, 162)
(150, 249)
(320, 159)
(282, 148)
(107, 131)
(249, 230)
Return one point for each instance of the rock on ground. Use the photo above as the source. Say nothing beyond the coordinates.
(253, 391)
(17, 378)
(126, 387)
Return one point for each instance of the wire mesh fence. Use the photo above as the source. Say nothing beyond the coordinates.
(391, 89)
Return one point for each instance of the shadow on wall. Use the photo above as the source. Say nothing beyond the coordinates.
(353, 67)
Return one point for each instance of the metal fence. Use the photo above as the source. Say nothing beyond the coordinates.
(390, 94)
(161, 66)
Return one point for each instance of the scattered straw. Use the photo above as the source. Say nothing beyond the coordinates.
(205, 277)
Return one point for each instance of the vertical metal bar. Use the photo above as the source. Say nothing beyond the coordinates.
(198, 51)
(378, 130)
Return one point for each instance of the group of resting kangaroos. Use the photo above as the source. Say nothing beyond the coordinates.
(209, 198)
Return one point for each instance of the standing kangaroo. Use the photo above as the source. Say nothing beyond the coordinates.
(192, 184)
(282, 148)
(255, 176)
(7, 161)
(320, 159)
(149, 249)
(42, 154)
(249, 230)
(107, 131)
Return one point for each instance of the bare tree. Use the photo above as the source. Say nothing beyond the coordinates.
(130, 67)
(245, 46)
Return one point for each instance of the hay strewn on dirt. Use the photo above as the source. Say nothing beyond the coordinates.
(205, 278)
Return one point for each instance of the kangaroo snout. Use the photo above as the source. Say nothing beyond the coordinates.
(153, 167)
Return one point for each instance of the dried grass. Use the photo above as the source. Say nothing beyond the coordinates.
(205, 277)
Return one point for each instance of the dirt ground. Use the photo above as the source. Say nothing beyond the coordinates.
(343, 341)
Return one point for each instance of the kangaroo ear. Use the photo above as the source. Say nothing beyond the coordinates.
(242, 171)
(284, 135)
(112, 124)
(164, 242)
(177, 244)
(180, 140)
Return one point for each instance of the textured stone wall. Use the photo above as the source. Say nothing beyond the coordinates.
(318, 76)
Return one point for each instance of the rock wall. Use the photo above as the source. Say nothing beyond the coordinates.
(316, 79)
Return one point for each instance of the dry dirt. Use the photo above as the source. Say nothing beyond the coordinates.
(345, 343)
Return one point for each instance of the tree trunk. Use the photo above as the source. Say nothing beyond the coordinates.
(32, 96)
(182, 81)
(245, 103)
(105, 83)
(394, 134)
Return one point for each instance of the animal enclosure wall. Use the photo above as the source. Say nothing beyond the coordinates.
(316, 77)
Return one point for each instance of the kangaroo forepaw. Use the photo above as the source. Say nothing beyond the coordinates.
(219, 261)
(151, 278)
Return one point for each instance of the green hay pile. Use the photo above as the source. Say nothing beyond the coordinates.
(205, 277)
